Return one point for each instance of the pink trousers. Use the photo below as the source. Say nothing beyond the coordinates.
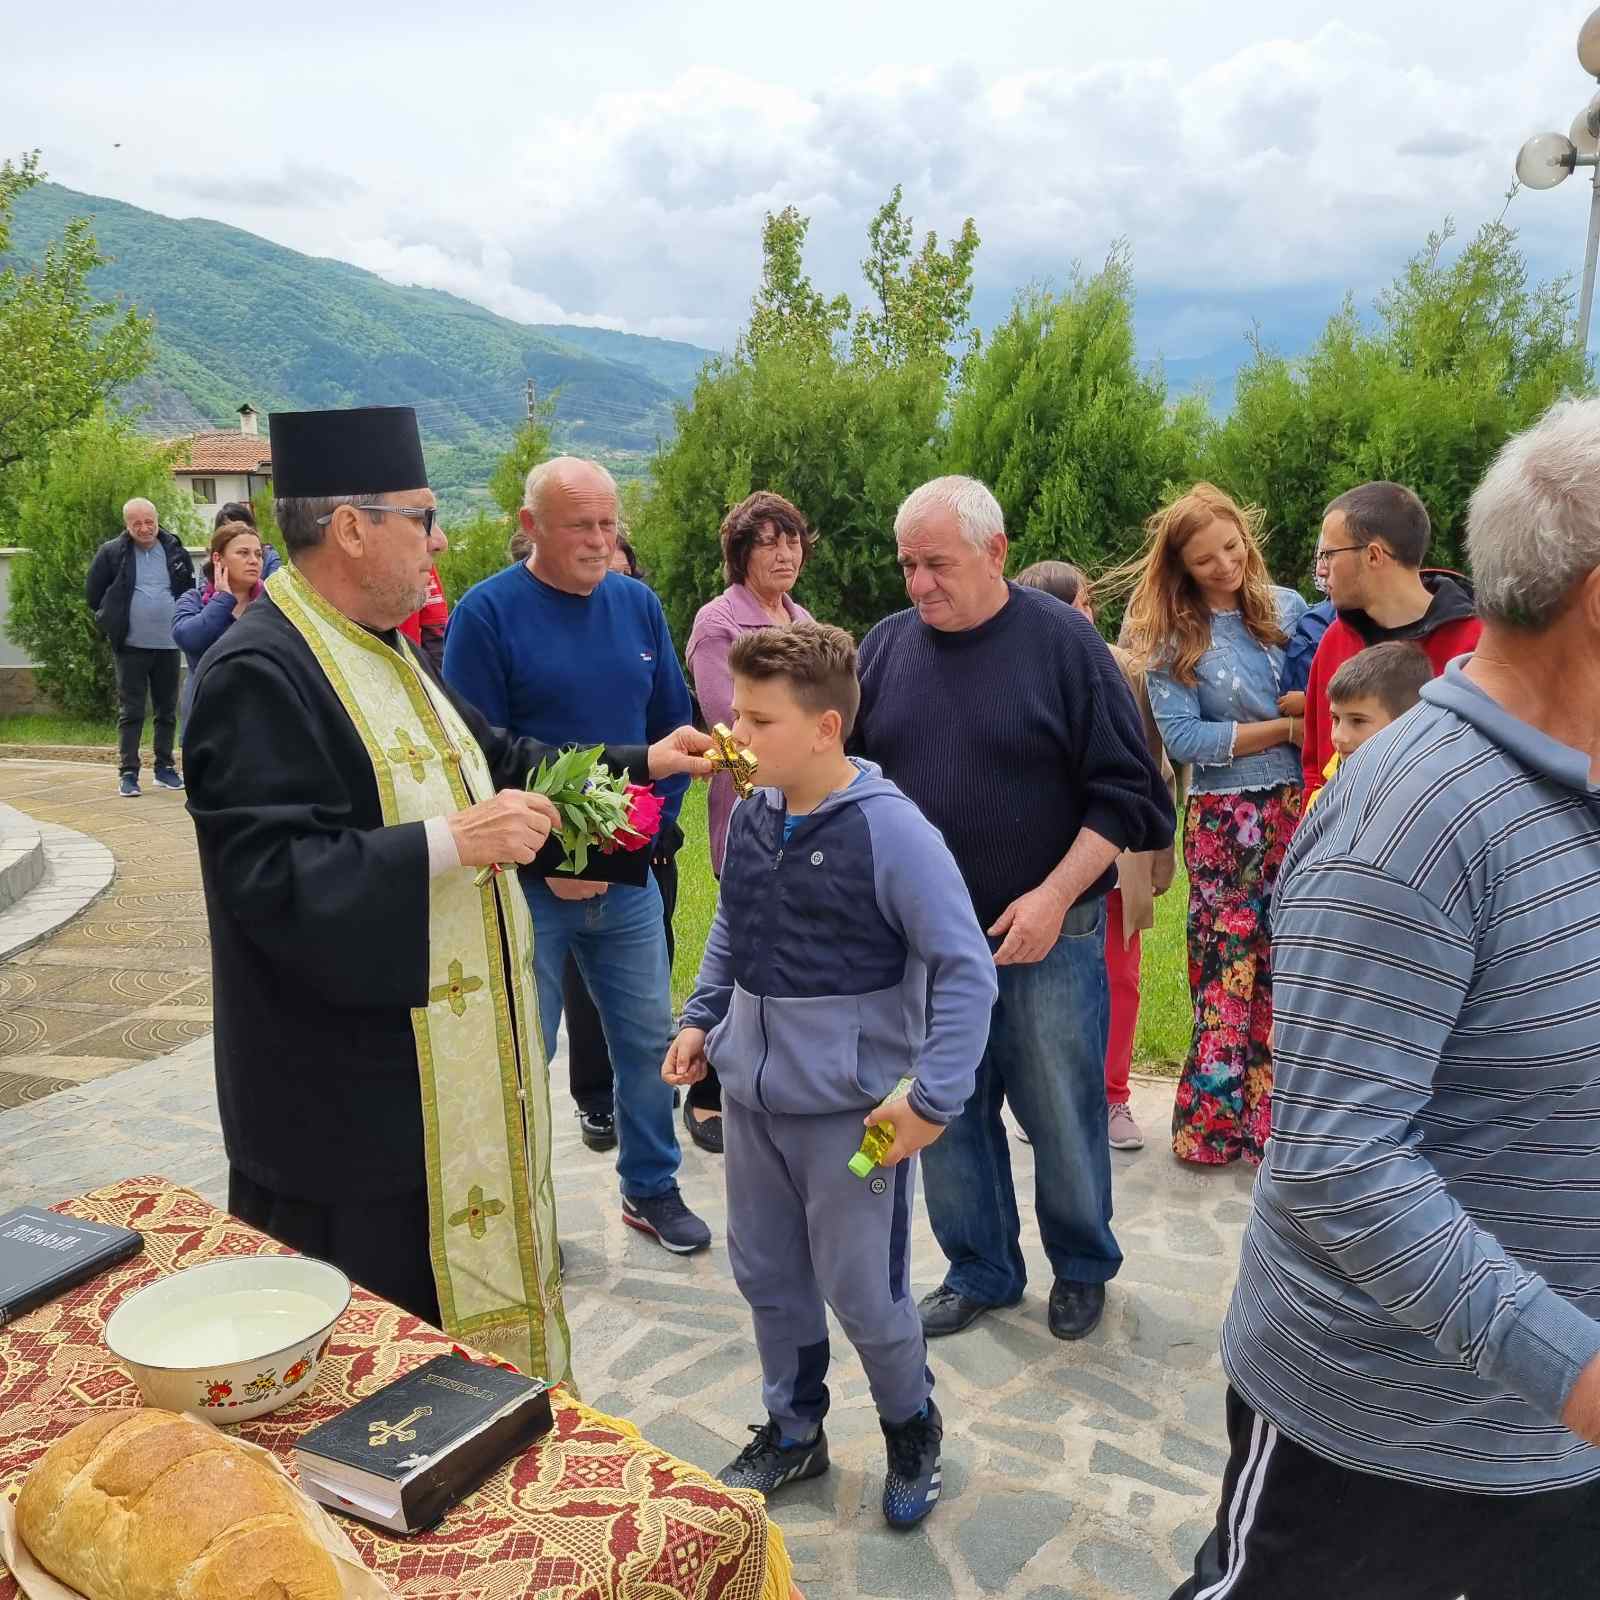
(1122, 974)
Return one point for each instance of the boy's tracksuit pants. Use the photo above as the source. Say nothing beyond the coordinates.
(804, 1233)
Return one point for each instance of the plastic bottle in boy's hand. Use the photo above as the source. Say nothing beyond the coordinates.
(876, 1141)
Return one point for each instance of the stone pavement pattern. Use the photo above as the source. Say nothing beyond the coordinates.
(128, 980)
(1072, 1472)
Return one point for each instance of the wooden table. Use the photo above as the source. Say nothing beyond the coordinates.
(592, 1512)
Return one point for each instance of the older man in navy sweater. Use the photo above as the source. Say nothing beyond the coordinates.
(1001, 712)
(561, 648)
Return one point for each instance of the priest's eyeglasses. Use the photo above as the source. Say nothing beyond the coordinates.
(426, 515)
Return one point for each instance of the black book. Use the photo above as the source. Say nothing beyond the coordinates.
(403, 1456)
(43, 1254)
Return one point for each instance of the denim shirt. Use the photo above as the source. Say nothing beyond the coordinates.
(1237, 680)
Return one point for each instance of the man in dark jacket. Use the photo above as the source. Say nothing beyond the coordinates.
(133, 584)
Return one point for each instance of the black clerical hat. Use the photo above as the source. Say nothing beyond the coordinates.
(367, 450)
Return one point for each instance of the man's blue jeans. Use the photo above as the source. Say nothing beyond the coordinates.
(620, 946)
(1046, 1057)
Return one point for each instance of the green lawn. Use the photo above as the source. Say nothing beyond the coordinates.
(1164, 1014)
(60, 730)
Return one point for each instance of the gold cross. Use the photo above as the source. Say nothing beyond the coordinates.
(476, 1213)
(456, 989)
(401, 1432)
(738, 763)
(407, 754)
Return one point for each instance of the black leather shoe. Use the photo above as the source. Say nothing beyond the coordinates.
(598, 1129)
(707, 1134)
(1075, 1308)
(945, 1311)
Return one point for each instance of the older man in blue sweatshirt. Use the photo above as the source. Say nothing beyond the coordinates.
(562, 649)
(1413, 1345)
(1001, 713)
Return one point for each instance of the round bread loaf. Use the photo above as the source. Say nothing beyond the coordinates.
(146, 1505)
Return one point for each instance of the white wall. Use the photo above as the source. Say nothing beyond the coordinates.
(230, 486)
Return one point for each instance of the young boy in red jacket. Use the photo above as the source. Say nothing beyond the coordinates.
(1370, 553)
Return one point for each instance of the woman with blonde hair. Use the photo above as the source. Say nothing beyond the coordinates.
(1210, 626)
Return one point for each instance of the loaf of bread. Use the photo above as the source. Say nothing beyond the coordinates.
(146, 1505)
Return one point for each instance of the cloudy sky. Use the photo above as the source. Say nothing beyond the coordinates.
(611, 163)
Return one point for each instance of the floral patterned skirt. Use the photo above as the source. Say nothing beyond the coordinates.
(1233, 845)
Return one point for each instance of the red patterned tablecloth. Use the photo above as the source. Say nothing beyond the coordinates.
(592, 1512)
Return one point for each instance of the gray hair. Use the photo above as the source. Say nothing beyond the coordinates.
(1533, 526)
(297, 519)
(547, 471)
(975, 509)
(139, 500)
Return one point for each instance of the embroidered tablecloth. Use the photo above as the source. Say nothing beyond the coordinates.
(592, 1512)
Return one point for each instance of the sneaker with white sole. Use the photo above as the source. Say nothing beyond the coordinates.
(668, 1221)
(767, 1464)
(1121, 1130)
(915, 1479)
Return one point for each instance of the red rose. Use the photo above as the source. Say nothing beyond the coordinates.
(644, 817)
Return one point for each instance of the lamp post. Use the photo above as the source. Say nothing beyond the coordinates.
(1550, 158)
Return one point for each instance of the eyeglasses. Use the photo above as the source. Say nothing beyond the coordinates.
(426, 515)
(768, 541)
(1324, 558)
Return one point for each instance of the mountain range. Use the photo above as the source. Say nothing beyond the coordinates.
(239, 318)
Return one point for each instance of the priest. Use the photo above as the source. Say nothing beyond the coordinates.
(380, 1078)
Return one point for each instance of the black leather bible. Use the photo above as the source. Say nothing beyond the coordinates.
(43, 1254)
(403, 1456)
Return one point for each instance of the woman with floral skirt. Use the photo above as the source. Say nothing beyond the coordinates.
(1211, 627)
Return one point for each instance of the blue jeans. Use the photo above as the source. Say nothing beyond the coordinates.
(1047, 1057)
(620, 946)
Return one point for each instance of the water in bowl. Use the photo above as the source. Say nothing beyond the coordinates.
(238, 1325)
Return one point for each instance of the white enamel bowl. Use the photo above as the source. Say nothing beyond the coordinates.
(230, 1340)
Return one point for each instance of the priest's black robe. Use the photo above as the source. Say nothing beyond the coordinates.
(319, 940)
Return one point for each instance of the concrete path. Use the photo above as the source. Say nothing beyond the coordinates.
(1073, 1472)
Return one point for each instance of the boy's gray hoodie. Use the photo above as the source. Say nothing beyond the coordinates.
(844, 959)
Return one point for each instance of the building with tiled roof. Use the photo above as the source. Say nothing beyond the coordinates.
(222, 466)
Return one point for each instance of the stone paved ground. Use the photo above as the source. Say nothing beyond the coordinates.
(131, 978)
(1073, 1472)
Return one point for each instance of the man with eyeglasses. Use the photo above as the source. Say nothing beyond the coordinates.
(563, 649)
(380, 1082)
(1370, 552)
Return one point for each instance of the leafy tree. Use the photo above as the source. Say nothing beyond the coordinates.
(922, 300)
(1464, 353)
(477, 548)
(69, 505)
(844, 429)
(1058, 419)
(61, 350)
(787, 312)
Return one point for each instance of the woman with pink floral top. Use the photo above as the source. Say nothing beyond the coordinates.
(765, 543)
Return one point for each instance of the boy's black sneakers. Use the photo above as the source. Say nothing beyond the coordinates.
(766, 1465)
(911, 1485)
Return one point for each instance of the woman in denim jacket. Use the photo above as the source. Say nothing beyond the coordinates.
(1211, 627)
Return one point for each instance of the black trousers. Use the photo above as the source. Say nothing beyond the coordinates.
(140, 673)
(380, 1244)
(588, 1060)
(1294, 1526)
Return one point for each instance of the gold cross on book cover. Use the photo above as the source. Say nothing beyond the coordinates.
(739, 764)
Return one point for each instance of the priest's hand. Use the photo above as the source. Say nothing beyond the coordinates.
(686, 1058)
(682, 751)
(511, 827)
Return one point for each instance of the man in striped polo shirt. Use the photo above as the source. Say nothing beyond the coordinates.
(1413, 1343)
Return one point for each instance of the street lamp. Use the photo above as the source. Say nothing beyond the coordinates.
(1549, 158)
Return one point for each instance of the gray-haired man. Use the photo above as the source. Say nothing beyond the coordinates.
(1413, 1343)
(133, 584)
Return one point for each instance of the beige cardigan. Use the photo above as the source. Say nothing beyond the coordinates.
(1143, 874)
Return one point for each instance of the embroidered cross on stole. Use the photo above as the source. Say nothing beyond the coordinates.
(480, 1058)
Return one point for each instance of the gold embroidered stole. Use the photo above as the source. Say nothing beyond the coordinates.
(480, 1056)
